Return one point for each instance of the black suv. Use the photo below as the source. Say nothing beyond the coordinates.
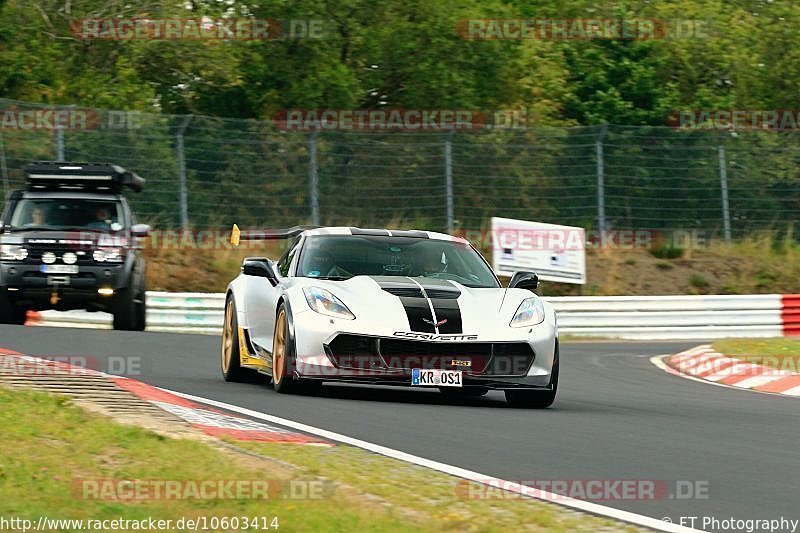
(69, 241)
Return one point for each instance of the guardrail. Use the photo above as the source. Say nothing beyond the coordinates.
(626, 317)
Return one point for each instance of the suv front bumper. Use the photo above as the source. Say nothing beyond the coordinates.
(28, 286)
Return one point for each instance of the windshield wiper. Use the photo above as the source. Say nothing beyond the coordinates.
(331, 278)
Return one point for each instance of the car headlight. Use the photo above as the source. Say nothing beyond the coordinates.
(13, 252)
(529, 313)
(108, 255)
(323, 302)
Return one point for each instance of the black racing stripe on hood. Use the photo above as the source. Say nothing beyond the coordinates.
(443, 297)
(448, 309)
(419, 314)
(416, 307)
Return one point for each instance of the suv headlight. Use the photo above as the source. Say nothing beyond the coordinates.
(529, 313)
(324, 302)
(13, 252)
(108, 255)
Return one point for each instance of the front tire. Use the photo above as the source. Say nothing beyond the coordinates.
(129, 307)
(282, 347)
(535, 399)
(10, 313)
(283, 358)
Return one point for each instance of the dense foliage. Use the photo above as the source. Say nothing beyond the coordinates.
(408, 54)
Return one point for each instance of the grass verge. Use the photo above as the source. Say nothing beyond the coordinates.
(50, 445)
(442, 501)
(779, 352)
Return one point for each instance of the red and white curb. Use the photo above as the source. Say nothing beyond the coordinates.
(212, 421)
(705, 364)
(209, 420)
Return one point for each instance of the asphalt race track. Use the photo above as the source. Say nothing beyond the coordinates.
(616, 417)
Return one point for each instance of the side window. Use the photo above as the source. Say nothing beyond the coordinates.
(286, 259)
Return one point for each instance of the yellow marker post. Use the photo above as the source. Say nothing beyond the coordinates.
(235, 234)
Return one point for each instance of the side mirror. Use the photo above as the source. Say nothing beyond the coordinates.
(524, 280)
(261, 268)
(140, 230)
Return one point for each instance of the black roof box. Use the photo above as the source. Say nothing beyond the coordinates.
(81, 176)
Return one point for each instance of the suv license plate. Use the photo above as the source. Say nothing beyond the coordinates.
(58, 269)
(431, 377)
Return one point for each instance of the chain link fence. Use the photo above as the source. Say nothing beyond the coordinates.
(207, 172)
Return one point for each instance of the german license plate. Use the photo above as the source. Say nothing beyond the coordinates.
(58, 269)
(431, 377)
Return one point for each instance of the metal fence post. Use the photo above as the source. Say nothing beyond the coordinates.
(601, 192)
(448, 181)
(723, 185)
(183, 196)
(313, 178)
(3, 168)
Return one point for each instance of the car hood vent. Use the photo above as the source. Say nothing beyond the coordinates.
(415, 292)
(404, 292)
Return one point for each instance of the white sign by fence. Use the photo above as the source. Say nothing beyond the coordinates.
(555, 253)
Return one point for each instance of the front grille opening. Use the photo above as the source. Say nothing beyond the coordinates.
(476, 358)
(355, 352)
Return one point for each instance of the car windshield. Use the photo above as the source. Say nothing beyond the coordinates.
(67, 214)
(342, 257)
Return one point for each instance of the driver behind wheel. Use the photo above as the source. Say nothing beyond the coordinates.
(322, 264)
(432, 263)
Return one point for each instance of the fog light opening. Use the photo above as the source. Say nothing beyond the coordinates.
(105, 291)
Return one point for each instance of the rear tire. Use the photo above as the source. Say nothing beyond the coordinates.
(10, 313)
(536, 399)
(230, 363)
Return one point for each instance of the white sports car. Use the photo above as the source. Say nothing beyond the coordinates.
(377, 306)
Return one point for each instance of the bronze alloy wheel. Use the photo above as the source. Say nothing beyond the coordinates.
(279, 348)
(227, 337)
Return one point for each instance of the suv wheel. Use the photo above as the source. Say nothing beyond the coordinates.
(10, 313)
(129, 309)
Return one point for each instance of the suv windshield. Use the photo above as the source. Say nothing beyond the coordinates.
(67, 214)
(342, 257)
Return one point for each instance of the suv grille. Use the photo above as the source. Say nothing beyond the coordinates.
(35, 252)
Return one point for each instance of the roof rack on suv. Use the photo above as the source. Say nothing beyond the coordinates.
(81, 176)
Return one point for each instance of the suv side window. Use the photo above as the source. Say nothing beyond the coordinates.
(286, 260)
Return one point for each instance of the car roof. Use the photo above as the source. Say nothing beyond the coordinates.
(381, 232)
(72, 195)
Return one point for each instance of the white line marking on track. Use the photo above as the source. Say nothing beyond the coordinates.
(589, 507)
